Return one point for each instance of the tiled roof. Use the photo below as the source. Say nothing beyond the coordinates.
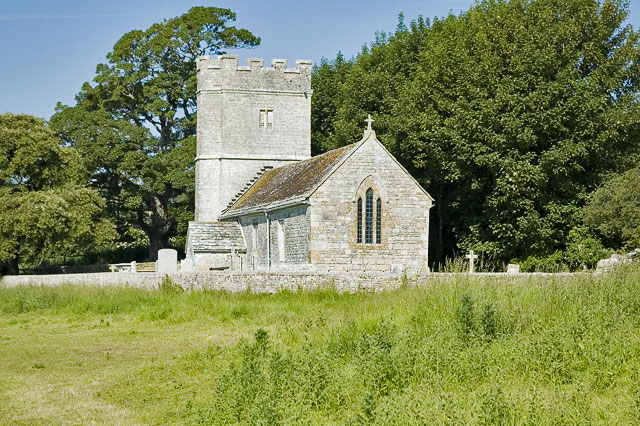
(215, 236)
(290, 182)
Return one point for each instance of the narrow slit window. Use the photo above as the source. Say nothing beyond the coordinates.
(281, 252)
(378, 221)
(368, 232)
(359, 221)
(255, 237)
(269, 118)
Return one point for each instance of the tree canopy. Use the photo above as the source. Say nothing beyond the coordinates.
(614, 209)
(135, 125)
(510, 115)
(45, 209)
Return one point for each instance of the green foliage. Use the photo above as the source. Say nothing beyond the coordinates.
(509, 114)
(554, 262)
(466, 316)
(614, 209)
(326, 81)
(489, 322)
(584, 249)
(167, 285)
(544, 351)
(45, 211)
(135, 125)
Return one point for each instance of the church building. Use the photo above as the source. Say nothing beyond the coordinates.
(263, 203)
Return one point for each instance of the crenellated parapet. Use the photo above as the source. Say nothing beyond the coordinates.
(224, 72)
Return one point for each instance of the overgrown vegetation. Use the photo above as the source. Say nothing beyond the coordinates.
(135, 124)
(467, 350)
(510, 114)
(45, 209)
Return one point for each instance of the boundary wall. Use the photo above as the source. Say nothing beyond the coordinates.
(257, 282)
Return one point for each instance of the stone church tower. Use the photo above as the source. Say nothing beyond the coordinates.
(250, 119)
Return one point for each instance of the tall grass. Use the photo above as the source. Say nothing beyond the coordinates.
(469, 350)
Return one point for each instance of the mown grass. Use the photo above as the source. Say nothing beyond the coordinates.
(465, 350)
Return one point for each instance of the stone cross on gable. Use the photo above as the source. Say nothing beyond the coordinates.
(472, 257)
(369, 121)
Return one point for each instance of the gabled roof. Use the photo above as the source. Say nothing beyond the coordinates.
(289, 184)
(294, 183)
(215, 236)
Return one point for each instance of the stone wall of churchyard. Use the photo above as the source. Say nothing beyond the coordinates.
(232, 145)
(258, 282)
(404, 224)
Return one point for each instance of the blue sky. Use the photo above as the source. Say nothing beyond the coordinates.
(49, 48)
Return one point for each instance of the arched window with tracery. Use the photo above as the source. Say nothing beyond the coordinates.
(368, 231)
(369, 199)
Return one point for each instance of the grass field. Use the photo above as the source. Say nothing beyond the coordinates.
(528, 351)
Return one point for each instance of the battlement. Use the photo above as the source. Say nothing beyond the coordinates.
(229, 63)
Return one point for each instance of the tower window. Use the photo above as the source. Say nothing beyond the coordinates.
(368, 231)
(266, 118)
(359, 220)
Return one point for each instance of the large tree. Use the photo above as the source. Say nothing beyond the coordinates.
(44, 209)
(136, 124)
(614, 210)
(510, 114)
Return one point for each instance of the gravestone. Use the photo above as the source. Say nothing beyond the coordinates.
(472, 257)
(167, 262)
(513, 269)
(186, 265)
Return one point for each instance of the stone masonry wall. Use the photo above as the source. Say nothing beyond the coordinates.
(295, 226)
(232, 146)
(264, 282)
(405, 216)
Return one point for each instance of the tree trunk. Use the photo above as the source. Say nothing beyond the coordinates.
(157, 242)
(12, 266)
(158, 225)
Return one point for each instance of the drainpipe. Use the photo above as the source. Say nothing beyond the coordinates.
(266, 215)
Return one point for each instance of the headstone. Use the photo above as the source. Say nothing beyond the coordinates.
(513, 269)
(186, 265)
(167, 262)
(472, 257)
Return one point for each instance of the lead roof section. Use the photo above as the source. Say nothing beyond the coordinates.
(215, 236)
